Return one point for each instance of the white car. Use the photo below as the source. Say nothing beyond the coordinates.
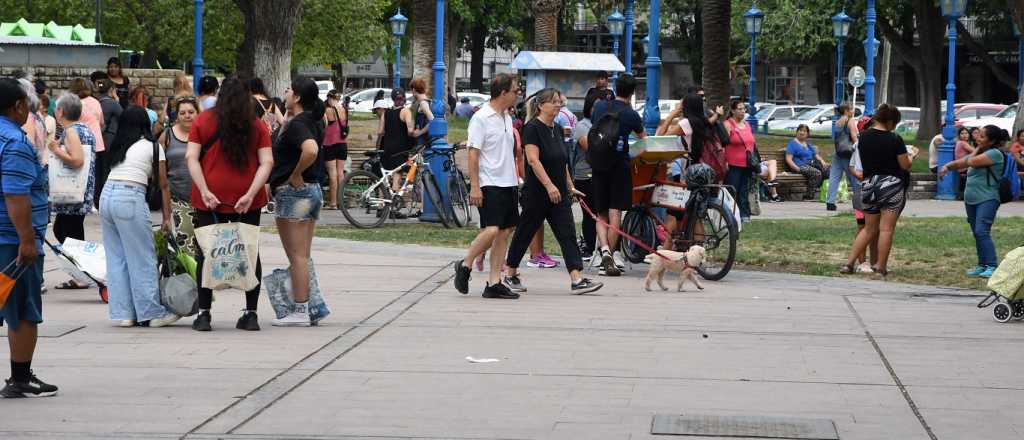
(665, 107)
(772, 112)
(1003, 119)
(362, 101)
(324, 87)
(475, 99)
(818, 119)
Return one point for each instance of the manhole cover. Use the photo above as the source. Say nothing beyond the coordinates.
(744, 426)
(49, 331)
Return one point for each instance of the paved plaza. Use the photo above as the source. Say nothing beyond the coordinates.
(880, 361)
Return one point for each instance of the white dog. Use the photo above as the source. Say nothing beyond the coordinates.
(686, 263)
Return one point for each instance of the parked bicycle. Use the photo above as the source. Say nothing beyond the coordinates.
(367, 199)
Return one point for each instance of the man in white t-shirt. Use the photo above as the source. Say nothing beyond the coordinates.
(493, 186)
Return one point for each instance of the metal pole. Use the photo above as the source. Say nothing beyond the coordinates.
(839, 73)
(438, 128)
(615, 50)
(652, 115)
(398, 62)
(870, 45)
(751, 118)
(947, 186)
(197, 57)
(628, 59)
(99, 20)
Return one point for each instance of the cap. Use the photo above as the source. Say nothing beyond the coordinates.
(380, 104)
(397, 93)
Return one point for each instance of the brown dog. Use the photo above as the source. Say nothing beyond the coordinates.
(686, 263)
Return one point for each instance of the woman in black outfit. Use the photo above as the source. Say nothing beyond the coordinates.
(886, 161)
(547, 194)
(396, 134)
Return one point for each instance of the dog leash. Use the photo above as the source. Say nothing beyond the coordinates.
(635, 241)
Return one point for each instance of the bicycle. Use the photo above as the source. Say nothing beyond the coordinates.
(707, 221)
(367, 200)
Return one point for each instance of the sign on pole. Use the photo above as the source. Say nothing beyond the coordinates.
(856, 78)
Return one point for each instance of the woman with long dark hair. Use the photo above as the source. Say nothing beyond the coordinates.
(298, 169)
(121, 83)
(229, 158)
(127, 234)
(981, 193)
(335, 145)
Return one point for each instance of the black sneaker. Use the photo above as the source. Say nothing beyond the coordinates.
(499, 291)
(462, 277)
(830, 206)
(202, 322)
(33, 388)
(248, 321)
(584, 285)
(608, 267)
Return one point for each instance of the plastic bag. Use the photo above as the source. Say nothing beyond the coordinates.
(279, 290)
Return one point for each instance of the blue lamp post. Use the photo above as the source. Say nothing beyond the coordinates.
(438, 128)
(616, 25)
(840, 30)
(628, 56)
(870, 49)
(753, 19)
(952, 10)
(197, 57)
(398, 23)
(652, 115)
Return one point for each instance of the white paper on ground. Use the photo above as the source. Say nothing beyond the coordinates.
(474, 360)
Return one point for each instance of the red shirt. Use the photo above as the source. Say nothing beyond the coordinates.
(741, 140)
(225, 180)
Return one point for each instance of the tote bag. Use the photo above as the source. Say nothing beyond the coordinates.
(230, 250)
(279, 290)
(67, 185)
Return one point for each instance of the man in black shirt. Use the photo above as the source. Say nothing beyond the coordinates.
(613, 188)
(600, 92)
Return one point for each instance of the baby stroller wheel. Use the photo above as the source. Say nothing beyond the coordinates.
(1002, 312)
(1018, 310)
(103, 293)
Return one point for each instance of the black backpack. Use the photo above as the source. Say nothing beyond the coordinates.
(603, 142)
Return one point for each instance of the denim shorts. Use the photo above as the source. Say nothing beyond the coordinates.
(25, 302)
(298, 204)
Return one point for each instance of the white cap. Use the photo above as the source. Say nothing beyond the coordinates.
(380, 104)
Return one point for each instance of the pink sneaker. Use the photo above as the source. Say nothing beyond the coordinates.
(540, 262)
(551, 261)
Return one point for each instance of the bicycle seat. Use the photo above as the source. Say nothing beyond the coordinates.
(373, 153)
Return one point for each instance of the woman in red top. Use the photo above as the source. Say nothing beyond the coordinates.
(228, 179)
(741, 141)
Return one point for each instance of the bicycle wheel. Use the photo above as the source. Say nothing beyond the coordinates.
(641, 226)
(433, 193)
(718, 235)
(458, 194)
(364, 200)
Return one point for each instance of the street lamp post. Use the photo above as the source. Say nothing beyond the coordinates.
(197, 58)
(628, 55)
(753, 20)
(952, 10)
(652, 115)
(870, 48)
(438, 128)
(616, 25)
(840, 30)
(398, 23)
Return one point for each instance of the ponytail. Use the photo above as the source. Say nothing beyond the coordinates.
(309, 96)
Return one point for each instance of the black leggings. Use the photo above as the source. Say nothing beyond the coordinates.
(205, 218)
(537, 208)
(69, 225)
(589, 227)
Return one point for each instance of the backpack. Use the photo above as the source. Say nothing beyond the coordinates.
(1010, 174)
(1005, 191)
(603, 142)
(269, 118)
(713, 155)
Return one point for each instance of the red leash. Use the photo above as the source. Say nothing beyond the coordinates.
(635, 241)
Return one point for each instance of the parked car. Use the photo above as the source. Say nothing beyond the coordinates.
(324, 87)
(1003, 119)
(818, 118)
(772, 112)
(476, 99)
(965, 112)
(665, 107)
(362, 101)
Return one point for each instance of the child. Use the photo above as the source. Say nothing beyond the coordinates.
(857, 171)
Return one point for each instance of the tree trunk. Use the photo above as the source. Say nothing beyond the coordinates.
(545, 31)
(423, 19)
(453, 42)
(476, 63)
(269, 33)
(926, 59)
(716, 15)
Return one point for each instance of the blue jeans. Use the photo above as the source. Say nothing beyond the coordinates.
(739, 179)
(981, 217)
(839, 168)
(131, 253)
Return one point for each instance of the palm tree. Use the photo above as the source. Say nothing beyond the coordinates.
(716, 15)
(422, 20)
(545, 30)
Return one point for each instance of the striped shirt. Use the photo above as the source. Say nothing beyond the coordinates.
(20, 174)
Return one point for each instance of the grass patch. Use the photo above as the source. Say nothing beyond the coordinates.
(933, 251)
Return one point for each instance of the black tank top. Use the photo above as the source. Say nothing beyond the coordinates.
(396, 133)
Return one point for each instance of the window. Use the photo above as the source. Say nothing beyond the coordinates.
(983, 112)
(783, 113)
(785, 84)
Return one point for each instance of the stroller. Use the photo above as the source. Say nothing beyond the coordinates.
(83, 260)
(1007, 286)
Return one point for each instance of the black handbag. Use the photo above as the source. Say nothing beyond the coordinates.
(154, 196)
(754, 161)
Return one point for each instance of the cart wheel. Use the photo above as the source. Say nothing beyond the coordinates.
(1001, 312)
(1018, 310)
(103, 294)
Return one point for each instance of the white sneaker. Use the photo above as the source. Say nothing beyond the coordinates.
(595, 260)
(865, 267)
(294, 319)
(126, 323)
(165, 321)
(619, 262)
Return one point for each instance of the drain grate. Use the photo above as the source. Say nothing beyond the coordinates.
(744, 426)
(49, 331)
